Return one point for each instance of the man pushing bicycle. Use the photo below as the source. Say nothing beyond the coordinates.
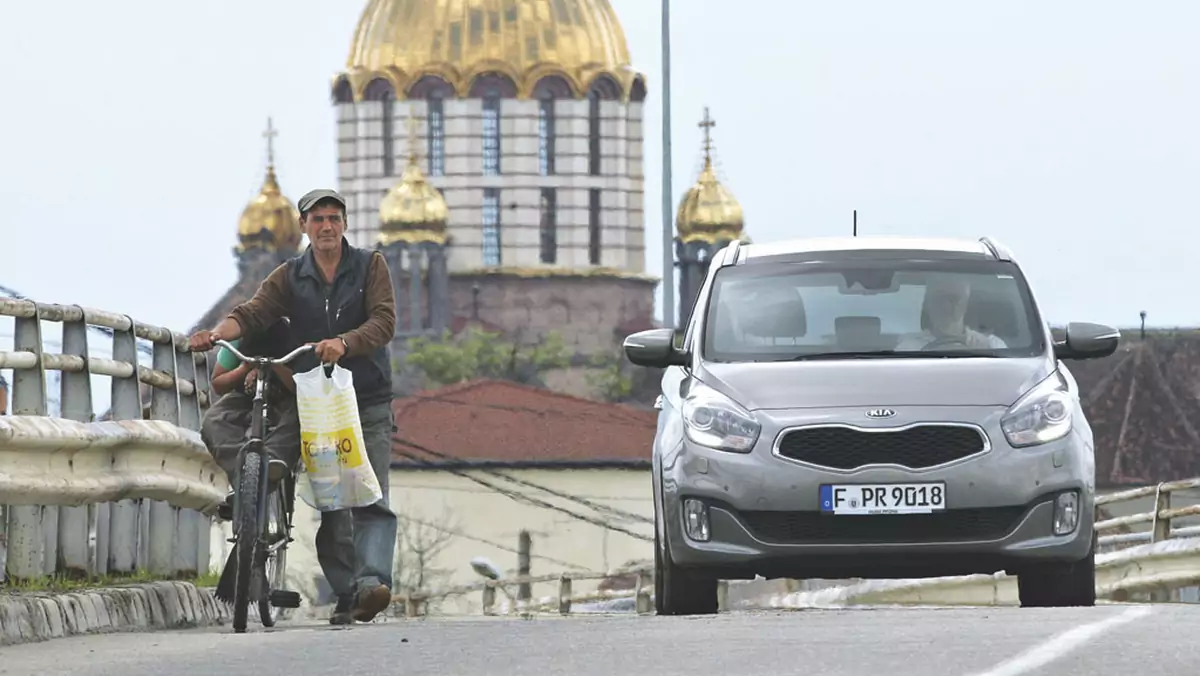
(339, 299)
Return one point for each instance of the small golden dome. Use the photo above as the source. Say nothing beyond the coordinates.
(708, 211)
(270, 221)
(526, 40)
(413, 210)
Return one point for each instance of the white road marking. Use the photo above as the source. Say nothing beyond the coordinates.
(1061, 644)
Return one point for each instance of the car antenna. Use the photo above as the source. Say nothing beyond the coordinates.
(856, 222)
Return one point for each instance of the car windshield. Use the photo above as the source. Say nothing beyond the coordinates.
(877, 307)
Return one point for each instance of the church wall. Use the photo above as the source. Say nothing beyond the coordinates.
(361, 178)
(585, 310)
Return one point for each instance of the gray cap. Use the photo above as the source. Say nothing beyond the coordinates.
(313, 196)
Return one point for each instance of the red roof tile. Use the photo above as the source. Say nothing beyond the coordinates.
(494, 422)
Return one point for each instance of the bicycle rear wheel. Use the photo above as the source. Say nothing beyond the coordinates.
(247, 535)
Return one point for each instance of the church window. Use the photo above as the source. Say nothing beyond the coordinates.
(389, 137)
(594, 133)
(548, 228)
(491, 227)
(491, 134)
(594, 226)
(437, 138)
(546, 135)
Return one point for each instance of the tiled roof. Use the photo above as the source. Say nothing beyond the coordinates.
(501, 423)
(1143, 404)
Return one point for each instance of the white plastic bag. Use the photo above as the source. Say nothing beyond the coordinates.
(337, 472)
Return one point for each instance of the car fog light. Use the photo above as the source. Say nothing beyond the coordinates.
(1066, 513)
(695, 520)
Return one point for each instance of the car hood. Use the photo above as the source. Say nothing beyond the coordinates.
(877, 382)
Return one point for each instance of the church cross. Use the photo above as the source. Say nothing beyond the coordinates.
(707, 124)
(270, 135)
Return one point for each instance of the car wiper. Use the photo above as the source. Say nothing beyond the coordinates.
(892, 354)
(853, 354)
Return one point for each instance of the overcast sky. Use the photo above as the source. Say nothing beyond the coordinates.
(131, 135)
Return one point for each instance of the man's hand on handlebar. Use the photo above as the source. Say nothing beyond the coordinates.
(329, 351)
(202, 341)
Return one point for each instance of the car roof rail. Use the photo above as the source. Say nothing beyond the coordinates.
(730, 254)
(997, 249)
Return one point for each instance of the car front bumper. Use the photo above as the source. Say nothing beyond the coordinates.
(764, 519)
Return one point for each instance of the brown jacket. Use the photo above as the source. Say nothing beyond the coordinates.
(359, 307)
(274, 298)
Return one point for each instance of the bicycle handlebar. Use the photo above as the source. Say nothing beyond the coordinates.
(264, 360)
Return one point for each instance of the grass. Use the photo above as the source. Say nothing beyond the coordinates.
(59, 583)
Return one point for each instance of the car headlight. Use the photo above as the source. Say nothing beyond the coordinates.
(714, 420)
(1043, 414)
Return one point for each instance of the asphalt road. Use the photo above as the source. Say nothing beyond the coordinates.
(1118, 640)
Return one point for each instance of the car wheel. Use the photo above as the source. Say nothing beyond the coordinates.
(1060, 584)
(678, 592)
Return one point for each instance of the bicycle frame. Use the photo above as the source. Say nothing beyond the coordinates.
(258, 432)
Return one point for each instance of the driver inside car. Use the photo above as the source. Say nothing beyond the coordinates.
(945, 306)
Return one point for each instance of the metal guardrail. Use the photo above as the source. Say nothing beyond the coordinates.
(416, 602)
(1159, 518)
(81, 497)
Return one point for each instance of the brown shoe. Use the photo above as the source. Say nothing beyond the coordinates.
(370, 602)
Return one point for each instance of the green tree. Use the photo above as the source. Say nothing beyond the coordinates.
(476, 353)
(610, 378)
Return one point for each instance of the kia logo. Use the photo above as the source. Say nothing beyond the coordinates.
(880, 413)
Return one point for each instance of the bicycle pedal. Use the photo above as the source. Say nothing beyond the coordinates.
(283, 598)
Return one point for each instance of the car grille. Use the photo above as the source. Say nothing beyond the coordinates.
(915, 447)
(949, 526)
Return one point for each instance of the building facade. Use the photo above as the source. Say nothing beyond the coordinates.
(493, 151)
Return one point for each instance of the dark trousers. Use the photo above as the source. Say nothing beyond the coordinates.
(355, 547)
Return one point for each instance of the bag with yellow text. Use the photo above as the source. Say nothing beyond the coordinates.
(337, 473)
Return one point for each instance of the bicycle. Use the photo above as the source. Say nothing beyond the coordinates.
(256, 544)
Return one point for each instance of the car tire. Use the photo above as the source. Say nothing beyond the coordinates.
(677, 591)
(1060, 585)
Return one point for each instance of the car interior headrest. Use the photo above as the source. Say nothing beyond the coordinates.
(780, 319)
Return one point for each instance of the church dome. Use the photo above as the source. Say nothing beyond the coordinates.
(708, 211)
(413, 211)
(526, 41)
(270, 221)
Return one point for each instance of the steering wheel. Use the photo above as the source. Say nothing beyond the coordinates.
(945, 341)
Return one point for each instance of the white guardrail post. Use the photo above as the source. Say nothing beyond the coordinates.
(135, 492)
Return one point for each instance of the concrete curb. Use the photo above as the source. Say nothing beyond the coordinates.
(30, 617)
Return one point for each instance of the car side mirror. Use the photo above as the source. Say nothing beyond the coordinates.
(654, 348)
(1084, 340)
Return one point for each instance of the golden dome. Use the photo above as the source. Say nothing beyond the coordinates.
(270, 221)
(708, 211)
(413, 210)
(404, 40)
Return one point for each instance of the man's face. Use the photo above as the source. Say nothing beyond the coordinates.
(324, 225)
(947, 304)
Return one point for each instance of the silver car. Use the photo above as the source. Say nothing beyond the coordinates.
(873, 408)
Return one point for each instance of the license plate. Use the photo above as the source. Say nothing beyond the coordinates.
(922, 498)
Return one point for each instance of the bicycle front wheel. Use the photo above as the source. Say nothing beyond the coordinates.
(274, 571)
(247, 536)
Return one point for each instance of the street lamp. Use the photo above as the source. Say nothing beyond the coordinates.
(668, 228)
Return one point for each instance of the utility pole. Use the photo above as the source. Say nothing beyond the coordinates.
(524, 547)
(668, 227)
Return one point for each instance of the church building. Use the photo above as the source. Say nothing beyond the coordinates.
(494, 153)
